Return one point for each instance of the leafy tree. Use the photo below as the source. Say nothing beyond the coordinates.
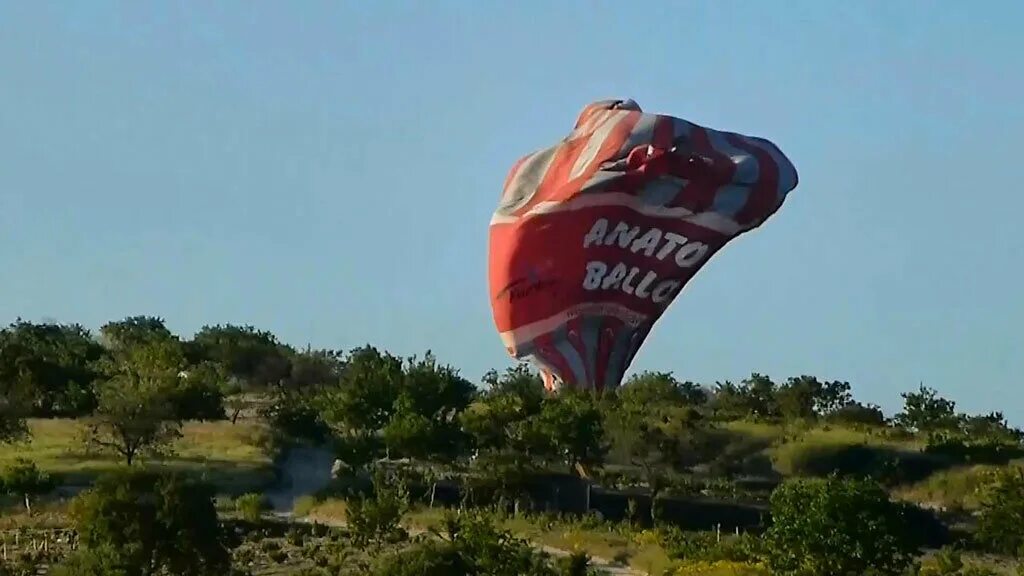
(760, 393)
(144, 524)
(573, 426)
(659, 439)
(650, 388)
(315, 369)
(754, 397)
(1001, 514)
(798, 398)
(424, 423)
(51, 364)
(364, 399)
(297, 407)
(507, 442)
(12, 414)
(253, 356)
(833, 397)
(200, 391)
(295, 416)
(856, 413)
(519, 381)
(991, 428)
(837, 527)
(23, 478)
(137, 411)
(134, 331)
(925, 411)
(806, 397)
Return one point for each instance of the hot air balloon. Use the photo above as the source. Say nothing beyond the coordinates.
(595, 236)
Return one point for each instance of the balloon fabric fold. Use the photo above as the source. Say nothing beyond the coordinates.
(595, 236)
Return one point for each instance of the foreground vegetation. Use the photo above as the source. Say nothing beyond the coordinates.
(666, 476)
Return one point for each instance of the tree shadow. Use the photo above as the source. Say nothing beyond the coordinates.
(739, 454)
(228, 476)
(890, 466)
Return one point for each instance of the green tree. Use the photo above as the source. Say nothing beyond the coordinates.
(200, 392)
(838, 527)
(364, 399)
(799, 398)
(833, 397)
(137, 410)
(856, 413)
(507, 443)
(295, 416)
(573, 427)
(1001, 514)
(659, 440)
(662, 388)
(424, 422)
(143, 524)
(22, 478)
(927, 412)
(134, 331)
(755, 397)
(51, 365)
(760, 392)
(12, 414)
(253, 356)
(520, 381)
(991, 428)
(312, 370)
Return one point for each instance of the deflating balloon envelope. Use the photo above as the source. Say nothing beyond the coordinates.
(596, 235)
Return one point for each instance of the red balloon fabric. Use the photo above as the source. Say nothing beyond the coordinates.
(595, 236)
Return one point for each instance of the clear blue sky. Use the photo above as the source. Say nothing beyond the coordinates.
(327, 170)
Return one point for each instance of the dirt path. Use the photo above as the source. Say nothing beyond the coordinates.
(607, 566)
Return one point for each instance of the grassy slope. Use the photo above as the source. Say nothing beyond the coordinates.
(232, 456)
(791, 450)
(955, 488)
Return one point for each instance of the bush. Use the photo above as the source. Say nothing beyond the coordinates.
(857, 414)
(136, 522)
(948, 562)
(376, 519)
(199, 401)
(720, 568)
(24, 480)
(304, 505)
(97, 561)
(251, 506)
(836, 527)
(470, 545)
(1001, 515)
(707, 546)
